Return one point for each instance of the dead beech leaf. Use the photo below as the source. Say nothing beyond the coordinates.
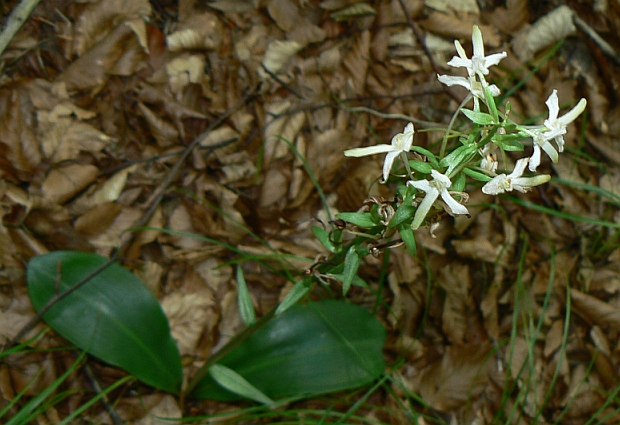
(356, 61)
(164, 132)
(278, 54)
(199, 31)
(285, 127)
(64, 138)
(235, 6)
(356, 10)
(549, 29)
(461, 6)
(512, 17)
(97, 219)
(187, 314)
(456, 282)
(181, 221)
(284, 12)
(62, 184)
(165, 411)
(100, 17)
(185, 70)
(594, 310)
(461, 375)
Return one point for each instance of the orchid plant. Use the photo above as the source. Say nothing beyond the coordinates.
(433, 184)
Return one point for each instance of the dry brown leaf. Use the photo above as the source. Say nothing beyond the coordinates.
(62, 184)
(549, 29)
(278, 54)
(187, 314)
(98, 219)
(165, 411)
(356, 62)
(461, 6)
(461, 375)
(357, 10)
(199, 31)
(100, 17)
(181, 221)
(512, 17)
(164, 132)
(455, 280)
(594, 310)
(284, 12)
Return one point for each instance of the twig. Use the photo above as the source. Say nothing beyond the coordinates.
(420, 37)
(14, 22)
(104, 399)
(153, 202)
(282, 82)
(401, 117)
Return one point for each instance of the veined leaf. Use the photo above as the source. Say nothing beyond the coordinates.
(114, 316)
(308, 350)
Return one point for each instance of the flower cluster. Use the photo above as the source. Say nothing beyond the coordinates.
(492, 132)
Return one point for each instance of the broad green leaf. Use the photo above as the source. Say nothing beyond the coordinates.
(359, 219)
(297, 292)
(246, 306)
(431, 157)
(308, 350)
(232, 381)
(352, 262)
(114, 316)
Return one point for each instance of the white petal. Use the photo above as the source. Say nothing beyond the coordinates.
(369, 150)
(441, 179)
(495, 186)
(519, 168)
(423, 185)
(476, 39)
(571, 115)
(535, 158)
(455, 207)
(387, 164)
(550, 150)
(449, 80)
(494, 59)
(424, 207)
(552, 104)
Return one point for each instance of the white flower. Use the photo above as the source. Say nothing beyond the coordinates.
(513, 181)
(479, 63)
(557, 126)
(400, 143)
(541, 142)
(489, 162)
(438, 186)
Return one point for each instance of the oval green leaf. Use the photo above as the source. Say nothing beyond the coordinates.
(308, 350)
(114, 316)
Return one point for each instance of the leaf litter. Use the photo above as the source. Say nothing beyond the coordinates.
(99, 99)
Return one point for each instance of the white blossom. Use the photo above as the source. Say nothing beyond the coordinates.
(479, 63)
(400, 143)
(513, 181)
(557, 126)
(433, 189)
(489, 162)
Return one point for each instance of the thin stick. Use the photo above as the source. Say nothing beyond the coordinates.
(14, 22)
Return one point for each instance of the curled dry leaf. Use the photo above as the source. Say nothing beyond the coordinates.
(64, 183)
(549, 29)
(185, 70)
(187, 314)
(166, 410)
(200, 31)
(278, 54)
(357, 10)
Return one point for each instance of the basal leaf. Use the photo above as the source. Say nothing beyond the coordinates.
(308, 350)
(114, 316)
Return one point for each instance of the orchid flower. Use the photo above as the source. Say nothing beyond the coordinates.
(401, 143)
(438, 186)
(557, 126)
(479, 63)
(541, 142)
(513, 181)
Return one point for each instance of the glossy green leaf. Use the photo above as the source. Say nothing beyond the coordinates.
(308, 350)
(403, 213)
(406, 234)
(114, 316)
(478, 117)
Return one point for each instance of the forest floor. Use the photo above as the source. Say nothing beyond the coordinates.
(218, 118)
